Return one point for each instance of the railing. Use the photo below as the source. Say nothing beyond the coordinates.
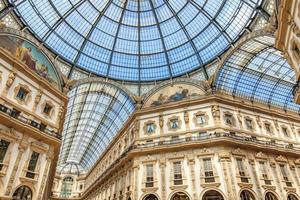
(215, 136)
(18, 116)
(207, 136)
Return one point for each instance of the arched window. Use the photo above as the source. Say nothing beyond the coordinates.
(23, 193)
(180, 196)
(246, 195)
(212, 195)
(292, 197)
(270, 196)
(66, 188)
(151, 197)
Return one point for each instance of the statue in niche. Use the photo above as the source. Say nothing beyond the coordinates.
(11, 79)
(216, 112)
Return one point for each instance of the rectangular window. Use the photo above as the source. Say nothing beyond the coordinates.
(249, 124)
(208, 171)
(177, 173)
(241, 168)
(200, 119)
(285, 175)
(22, 93)
(174, 123)
(3, 149)
(264, 173)
(32, 165)
(150, 128)
(268, 127)
(149, 175)
(285, 131)
(47, 109)
(228, 119)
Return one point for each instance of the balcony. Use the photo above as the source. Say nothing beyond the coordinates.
(13, 113)
(237, 138)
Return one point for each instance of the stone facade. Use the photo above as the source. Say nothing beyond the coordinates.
(29, 128)
(225, 147)
(288, 37)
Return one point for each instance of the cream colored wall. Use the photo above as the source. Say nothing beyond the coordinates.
(17, 159)
(225, 169)
(227, 183)
(23, 137)
(30, 109)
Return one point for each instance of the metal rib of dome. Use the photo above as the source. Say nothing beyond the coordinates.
(259, 72)
(137, 40)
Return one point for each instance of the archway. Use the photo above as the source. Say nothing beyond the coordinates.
(22, 193)
(180, 196)
(150, 197)
(292, 197)
(212, 195)
(246, 195)
(270, 196)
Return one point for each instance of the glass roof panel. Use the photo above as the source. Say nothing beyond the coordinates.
(118, 39)
(259, 72)
(96, 112)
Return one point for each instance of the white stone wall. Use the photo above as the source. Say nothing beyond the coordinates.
(227, 178)
(17, 158)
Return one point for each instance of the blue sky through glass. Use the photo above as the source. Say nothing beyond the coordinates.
(138, 40)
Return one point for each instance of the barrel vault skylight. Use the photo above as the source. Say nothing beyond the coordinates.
(137, 40)
(96, 112)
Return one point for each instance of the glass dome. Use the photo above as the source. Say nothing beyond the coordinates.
(137, 40)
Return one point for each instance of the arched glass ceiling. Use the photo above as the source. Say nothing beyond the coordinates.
(260, 73)
(137, 40)
(96, 112)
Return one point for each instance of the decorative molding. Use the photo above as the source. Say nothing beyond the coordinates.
(206, 118)
(52, 111)
(27, 97)
(145, 127)
(252, 123)
(38, 147)
(280, 158)
(233, 120)
(210, 185)
(186, 117)
(238, 152)
(37, 100)
(261, 155)
(269, 187)
(9, 82)
(245, 185)
(169, 123)
(215, 109)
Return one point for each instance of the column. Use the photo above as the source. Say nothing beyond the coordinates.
(45, 175)
(229, 177)
(14, 171)
(192, 171)
(162, 166)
